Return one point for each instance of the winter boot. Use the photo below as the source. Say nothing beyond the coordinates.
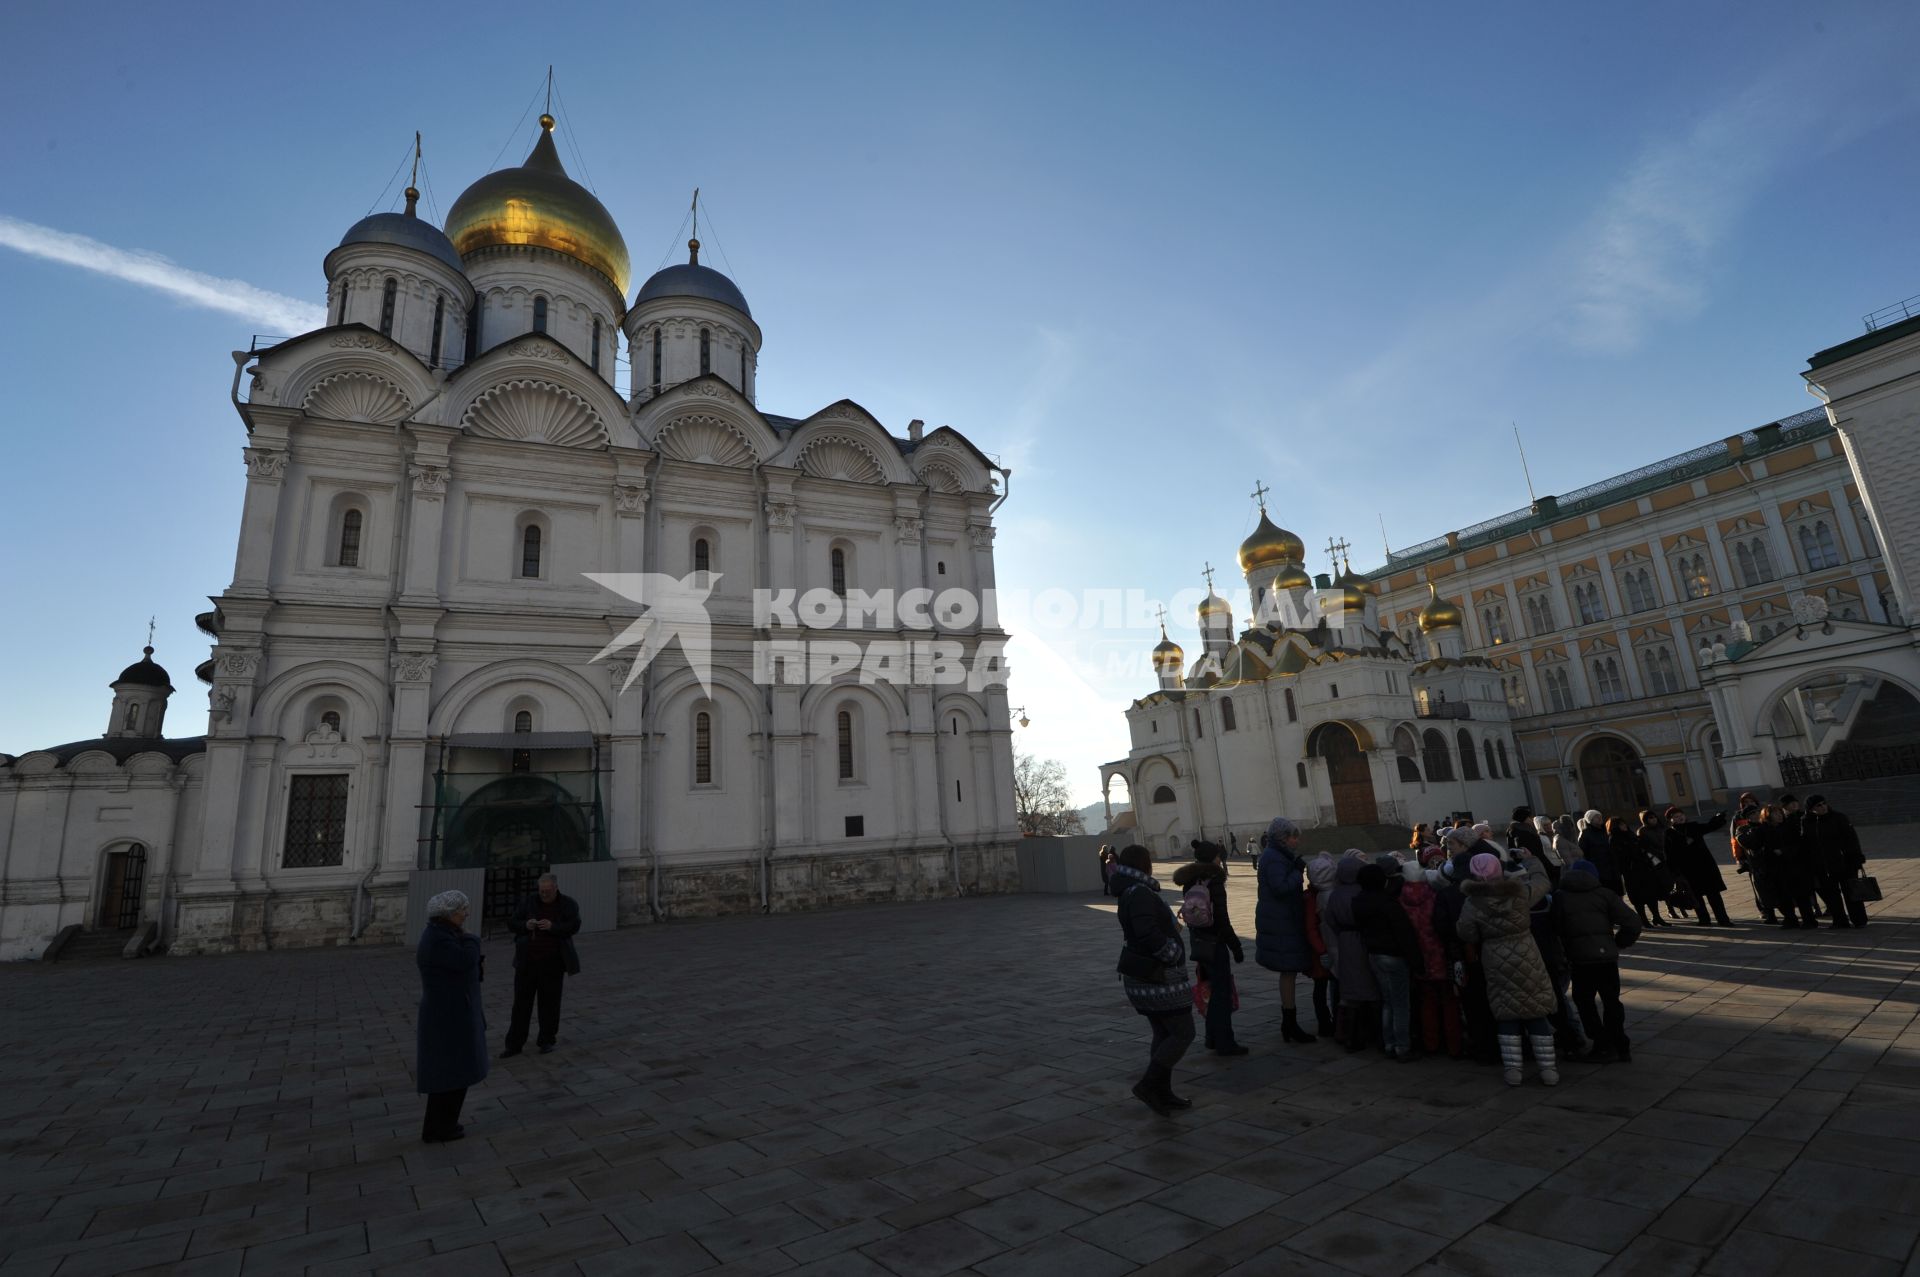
(1623, 1049)
(1513, 1056)
(1150, 1089)
(1290, 1030)
(1322, 1027)
(1543, 1056)
(1166, 1092)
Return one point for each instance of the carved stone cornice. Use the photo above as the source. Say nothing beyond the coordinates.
(429, 481)
(414, 667)
(908, 529)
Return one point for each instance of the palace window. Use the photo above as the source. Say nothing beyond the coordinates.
(1663, 677)
(350, 525)
(1695, 579)
(1755, 564)
(1637, 585)
(316, 822)
(530, 550)
(1817, 544)
(1539, 615)
(539, 314)
(1494, 619)
(1607, 682)
(1588, 603)
(387, 296)
(703, 748)
(1559, 689)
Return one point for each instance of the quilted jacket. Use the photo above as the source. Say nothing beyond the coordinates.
(1496, 919)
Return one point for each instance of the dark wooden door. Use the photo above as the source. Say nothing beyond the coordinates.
(1351, 778)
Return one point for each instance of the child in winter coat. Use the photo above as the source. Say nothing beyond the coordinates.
(1594, 925)
(1359, 996)
(1438, 1001)
(1326, 990)
(1519, 991)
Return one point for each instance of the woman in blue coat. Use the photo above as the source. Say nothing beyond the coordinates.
(452, 1045)
(1280, 920)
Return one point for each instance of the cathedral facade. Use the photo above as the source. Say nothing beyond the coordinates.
(1316, 712)
(415, 679)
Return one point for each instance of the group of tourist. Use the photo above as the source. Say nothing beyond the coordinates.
(1471, 943)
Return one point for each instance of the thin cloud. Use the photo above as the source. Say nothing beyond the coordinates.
(274, 311)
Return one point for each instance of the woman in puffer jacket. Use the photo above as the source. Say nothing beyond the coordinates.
(1519, 991)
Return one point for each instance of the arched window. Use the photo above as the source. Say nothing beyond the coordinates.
(1293, 712)
(706, 351)
(539, 314)
(1163, 794)
(702, 555)
(530, 550)
(330, 721)
(703, 748)
(1435, 755)
(657, 334)
(1762, 560)
(133, 718)
(387, 296)
(439, 328)
(596, 345)
(743, 386)
(523, 721)
(843, 724)
(1607, 682)
(344, 286)
(350, 524)
(1469, 762)
(837, 559)
(1199, 725)
(473, 327)
(1505, 769)
(1226, 714)
(1300, 775)
(940, 568)
(1818, 545)
(1493, 767)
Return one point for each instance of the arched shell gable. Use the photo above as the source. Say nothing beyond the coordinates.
(531, 411)
(356, 396)
(941, 477)
(705, 439)
(838, 456)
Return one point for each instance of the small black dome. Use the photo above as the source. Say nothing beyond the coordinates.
(690, 280)
(145, 673)
(403, 230)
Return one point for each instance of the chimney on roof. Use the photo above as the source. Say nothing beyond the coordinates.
(915, 429)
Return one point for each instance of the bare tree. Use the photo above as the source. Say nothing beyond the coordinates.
(1041, 797)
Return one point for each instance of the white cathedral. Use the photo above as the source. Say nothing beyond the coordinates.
(404, 690)
(1313, 712)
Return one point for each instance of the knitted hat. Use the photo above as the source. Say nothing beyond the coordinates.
(1321, 871)
(1204, 850)
(1280, 829)
(1584, 866)
(1485, 867)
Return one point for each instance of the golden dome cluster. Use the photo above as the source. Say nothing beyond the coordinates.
(538, 204)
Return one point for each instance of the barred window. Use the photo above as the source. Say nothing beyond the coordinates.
(703, 748)
(843, 723)
(530, 551)
(316, 822)
(350, 524)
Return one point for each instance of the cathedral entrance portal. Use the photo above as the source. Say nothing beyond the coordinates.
(120, 897)
(1613, 777)
(1348, 774)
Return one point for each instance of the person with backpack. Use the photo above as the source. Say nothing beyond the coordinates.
(1153, 974)
(1203, 907)
(1280, 921)
(1594, 924)
(1519, 990)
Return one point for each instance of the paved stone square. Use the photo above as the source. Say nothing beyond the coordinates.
(941, 1088)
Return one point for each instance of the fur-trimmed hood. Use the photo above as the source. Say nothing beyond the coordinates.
(1198, 871)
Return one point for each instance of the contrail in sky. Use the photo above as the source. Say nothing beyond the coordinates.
(274, 311)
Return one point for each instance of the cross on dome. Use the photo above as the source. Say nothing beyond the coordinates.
(1260, 491)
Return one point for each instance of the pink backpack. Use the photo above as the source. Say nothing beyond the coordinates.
(1196, 906)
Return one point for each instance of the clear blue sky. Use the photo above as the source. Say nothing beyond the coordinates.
(1144, 255)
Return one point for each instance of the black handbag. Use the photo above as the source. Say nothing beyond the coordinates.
(1861, 890)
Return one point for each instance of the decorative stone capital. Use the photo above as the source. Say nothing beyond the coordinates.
(981, 533)
(780, 514)
(619, 671)
(238, 664)
(413, 667)
(265, 464)
(220, 702)
(907, 529)
(630, 498)
(430, 481)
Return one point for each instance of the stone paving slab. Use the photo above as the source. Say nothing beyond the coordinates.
(942, 1088)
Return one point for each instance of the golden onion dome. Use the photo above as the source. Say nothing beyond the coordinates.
(1167, 654)
(1439, 613)
(1214, 605)
(538, 204)
(1270, 544)
(1293, 577)
(1351, 580)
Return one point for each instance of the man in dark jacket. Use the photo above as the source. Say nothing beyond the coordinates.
(1834, 845)
(1594, 924)
(1689, 856)
(1521, 833)
(543, 926)
(1216, 947)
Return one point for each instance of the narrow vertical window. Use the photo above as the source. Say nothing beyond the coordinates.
(344, 285)
(839, 562)
(956, 793)
(743, 380)
(350, 539)
(702, 556)
(539, 314)
(1293, 712)
(703, 748)
(657, 334)
(596, 345)
(473, 328)
(843, 723)
(706, 351)
(1226, 715)
(439, 328)
(133, 717)
(1199, 725)
(530, 551)
(387, 296)
(1300, 774)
